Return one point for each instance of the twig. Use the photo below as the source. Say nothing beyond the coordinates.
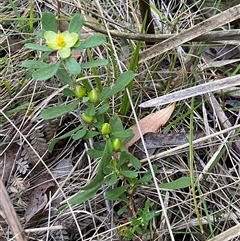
(193, 91)
(214, 36)
(33, 230)
(228, 234)
(10, 214)
(216, 21)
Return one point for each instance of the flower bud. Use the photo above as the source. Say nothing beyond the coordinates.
(93, 96)
(106, 129)
(116, 144)
(80, 91)
(87, 118)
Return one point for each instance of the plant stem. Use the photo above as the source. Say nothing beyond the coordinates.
(191, 167)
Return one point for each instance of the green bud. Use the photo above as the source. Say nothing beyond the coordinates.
(87, 118)
(93, 96)
(116, 144)
(80, 91)
(106, 129)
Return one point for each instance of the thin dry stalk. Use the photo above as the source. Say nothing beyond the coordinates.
(228, 234)
(193, 91)
(216, 21)
(10, 214)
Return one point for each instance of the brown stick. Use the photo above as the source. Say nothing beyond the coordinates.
(214, 36)
(216, 21)
(10, 214)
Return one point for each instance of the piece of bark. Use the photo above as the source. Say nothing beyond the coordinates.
(154, 141)
(7, 161)
(38, 197)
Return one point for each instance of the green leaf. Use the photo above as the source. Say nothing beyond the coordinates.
(112, 180)
(38, 47)
(40, 33)
(104, 108)
(90, 134)
(151, 215)
(106, 158)
(123, 133)
(116, 192)
(92, 41)
(63, 76)
(107, 170)
(68, 92)
(128, 233)
(147, 176)
(124, 157)
(122, 81)
(181, 182)
(116, 123)
(49, 22)
(99, 121)
(94, 153)
(127, 139)
(85, 195)
(136, 222)
(8, 87)
(46, 72)
(146, 206)
(68, 134)
(57, 111)
(104, 92)
(32, 64)
(80, 134)
(123, 198)
(139, 230)
(95, 63)
(23, 106)
(76, 24)
(122, 210)
(90, 110)
(129, 174)
(135, 162)
(72, 65)
(44, 56)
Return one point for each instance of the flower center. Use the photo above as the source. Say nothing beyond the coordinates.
(60, 40)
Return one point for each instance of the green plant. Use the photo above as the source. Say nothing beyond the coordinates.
(139, 225)
(117, 167)
(92, 102)
(65, 67)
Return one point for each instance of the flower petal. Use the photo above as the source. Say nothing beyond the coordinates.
(51, 42)
(50, 35)
(64, 52)
(70, 38)
(53, 45)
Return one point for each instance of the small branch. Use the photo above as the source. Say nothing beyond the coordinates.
(132, 205)
(10, 214)
(52, 228)
(214, 36)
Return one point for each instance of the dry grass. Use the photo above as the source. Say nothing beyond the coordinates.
(216, 160)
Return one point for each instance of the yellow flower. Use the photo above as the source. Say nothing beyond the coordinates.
(62, 42)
